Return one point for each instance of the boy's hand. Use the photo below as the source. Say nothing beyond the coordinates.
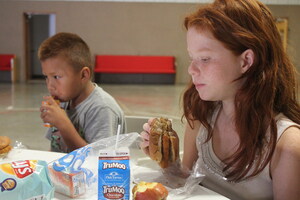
(52, 113)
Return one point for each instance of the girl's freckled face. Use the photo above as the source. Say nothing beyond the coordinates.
(213, 67)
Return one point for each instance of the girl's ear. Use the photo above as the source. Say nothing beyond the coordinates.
(85, 73)
(247, 60)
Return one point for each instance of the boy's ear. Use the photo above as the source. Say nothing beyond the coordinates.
(247, 60)
(85, 73)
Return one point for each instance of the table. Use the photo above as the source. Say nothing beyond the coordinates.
(142, 168)
(26, 154)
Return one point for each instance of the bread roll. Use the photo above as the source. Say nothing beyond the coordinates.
(149, 191)
(5, 145)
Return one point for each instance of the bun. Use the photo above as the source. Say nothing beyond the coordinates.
(4, 145)
(149, 191)
(163, 142)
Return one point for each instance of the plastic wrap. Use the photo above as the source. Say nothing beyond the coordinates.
(19, 145)
(191, 182)
(16, 145)
(85, 161)
(76, 174)
(180, 182)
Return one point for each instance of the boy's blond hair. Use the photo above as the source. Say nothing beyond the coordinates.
(69, 46)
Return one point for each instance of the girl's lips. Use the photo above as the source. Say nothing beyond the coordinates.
(199, 85)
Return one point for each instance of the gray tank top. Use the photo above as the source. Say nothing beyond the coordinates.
(258, 187)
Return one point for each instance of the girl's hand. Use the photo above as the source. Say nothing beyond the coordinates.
(144, 145)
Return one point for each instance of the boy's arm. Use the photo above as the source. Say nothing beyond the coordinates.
(70, 135)
(53, 114)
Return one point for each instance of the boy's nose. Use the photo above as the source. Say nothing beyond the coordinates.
(50, 86)
(50, 89)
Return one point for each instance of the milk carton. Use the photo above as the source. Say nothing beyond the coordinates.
(114, 175)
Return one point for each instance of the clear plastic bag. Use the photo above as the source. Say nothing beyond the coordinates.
(85, 162)
(76, 173)
(19, 145)
(8, 148)
(191, 183)
(180, 182)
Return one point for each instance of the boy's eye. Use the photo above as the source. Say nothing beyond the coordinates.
(56, 77)
(45, 77)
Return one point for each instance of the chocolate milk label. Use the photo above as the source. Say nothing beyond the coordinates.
(114, 176)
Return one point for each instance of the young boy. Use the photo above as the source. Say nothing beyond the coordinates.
(86, 112)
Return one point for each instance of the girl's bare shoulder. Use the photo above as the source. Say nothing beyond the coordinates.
(289, 142)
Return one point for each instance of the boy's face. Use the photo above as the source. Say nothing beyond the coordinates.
(63, 82)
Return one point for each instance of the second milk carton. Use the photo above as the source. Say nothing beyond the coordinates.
(114, 175)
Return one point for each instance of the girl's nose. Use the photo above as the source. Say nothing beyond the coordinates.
(192, 70)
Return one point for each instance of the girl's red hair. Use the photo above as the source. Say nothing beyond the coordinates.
(269, 88)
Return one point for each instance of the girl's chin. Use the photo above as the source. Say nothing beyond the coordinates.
(204, 98)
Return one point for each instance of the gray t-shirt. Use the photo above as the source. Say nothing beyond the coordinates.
(95, 118)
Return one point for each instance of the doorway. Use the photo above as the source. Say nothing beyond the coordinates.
(38, 27)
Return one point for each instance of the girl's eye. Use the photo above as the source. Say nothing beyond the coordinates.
(200, 61)
(205, 59)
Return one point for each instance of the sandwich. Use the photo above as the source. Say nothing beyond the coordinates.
(163, 142)
(4, 145)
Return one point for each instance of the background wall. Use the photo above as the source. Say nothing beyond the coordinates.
(121, 28)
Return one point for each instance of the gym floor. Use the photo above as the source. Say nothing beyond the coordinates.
(20, 116)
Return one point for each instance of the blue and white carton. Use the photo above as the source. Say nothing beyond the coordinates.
(114, 174)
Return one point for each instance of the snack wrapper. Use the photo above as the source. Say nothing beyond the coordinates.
(25, 180)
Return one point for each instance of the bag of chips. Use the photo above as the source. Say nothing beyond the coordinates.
(25, 180)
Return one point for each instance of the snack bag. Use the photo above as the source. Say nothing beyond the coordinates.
(25, 180)
(114, 175)
(72, 174)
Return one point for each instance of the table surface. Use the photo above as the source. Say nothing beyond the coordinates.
(142, 167)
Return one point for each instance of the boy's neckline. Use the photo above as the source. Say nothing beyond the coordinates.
(91, 87)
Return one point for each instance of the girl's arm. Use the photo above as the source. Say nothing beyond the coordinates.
(285, 165)
(190, 154)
